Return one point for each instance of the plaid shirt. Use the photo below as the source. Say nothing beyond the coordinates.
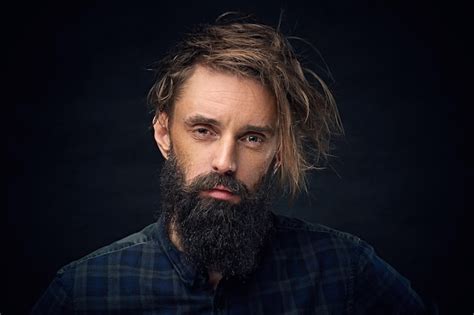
(306, 269)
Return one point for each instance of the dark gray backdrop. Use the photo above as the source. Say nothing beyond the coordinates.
(82, 168)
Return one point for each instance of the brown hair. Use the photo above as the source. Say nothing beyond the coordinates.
(307, 113)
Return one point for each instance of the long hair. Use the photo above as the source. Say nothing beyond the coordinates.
(306, 110)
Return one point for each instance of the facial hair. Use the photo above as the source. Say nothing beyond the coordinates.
(216, 235)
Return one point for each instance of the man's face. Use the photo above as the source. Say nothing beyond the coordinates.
(216, 184)
(223, 124)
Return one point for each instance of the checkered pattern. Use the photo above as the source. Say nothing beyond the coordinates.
(306, 269)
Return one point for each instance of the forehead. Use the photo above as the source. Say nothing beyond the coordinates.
(226, 96)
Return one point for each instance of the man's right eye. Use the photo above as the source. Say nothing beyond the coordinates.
(202, 133)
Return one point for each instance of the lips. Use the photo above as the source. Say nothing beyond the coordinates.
(222, 188)
(223, 193)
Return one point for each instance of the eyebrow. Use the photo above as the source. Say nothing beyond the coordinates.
(262, 129)
(199, 119)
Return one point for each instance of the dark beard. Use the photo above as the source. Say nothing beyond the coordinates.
(217, 235)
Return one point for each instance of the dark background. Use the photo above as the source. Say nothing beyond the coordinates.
(82, 168)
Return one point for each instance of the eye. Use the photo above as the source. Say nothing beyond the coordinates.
(202, 133)
(253, 140)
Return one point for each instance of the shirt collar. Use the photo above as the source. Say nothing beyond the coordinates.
(187, 273)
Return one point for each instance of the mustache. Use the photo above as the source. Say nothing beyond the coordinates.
(211, 180)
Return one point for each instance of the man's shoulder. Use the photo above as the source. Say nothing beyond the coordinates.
(121, 251)
(346, 263)
(298, 227)
(299, 238)
(113, 273)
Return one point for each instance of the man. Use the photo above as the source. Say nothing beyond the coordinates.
(238, 120)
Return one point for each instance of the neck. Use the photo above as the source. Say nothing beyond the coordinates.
(214, 278)
(174, 238)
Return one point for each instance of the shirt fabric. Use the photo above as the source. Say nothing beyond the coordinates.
(305, 269)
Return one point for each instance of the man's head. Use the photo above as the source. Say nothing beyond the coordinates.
(221, 147)
(260, 58)
(234, 111)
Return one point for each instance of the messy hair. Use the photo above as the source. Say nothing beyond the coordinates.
(306, 110)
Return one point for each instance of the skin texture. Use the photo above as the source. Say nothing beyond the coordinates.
(221, 123)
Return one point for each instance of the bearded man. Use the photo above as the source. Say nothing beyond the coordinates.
(238, 120)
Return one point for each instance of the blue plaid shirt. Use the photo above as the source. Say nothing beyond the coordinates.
(306, 269)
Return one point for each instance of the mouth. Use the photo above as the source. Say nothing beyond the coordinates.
(222, 193)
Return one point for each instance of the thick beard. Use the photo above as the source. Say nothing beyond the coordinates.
(216, 235)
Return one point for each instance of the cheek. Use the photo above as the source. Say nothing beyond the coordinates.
(253, 170)
(192, 162)
(195, 169)
(184, 151)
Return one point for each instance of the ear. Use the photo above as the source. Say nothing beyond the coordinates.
(162, 133)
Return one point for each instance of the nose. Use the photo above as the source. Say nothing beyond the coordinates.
(224, 159)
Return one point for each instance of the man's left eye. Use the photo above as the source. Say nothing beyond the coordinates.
(254, 139)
